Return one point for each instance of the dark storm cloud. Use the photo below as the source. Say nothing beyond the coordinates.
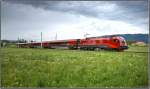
(33, 15)
(134, 12)
(134, 9)
(62, 6)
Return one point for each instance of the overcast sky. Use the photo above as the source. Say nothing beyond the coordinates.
(71, 19)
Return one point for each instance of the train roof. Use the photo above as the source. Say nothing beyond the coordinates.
(53, 41)
(105, 36)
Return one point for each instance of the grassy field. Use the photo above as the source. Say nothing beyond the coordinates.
(74, 68)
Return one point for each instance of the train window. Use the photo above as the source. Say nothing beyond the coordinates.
(123, 42)
(116, 41)
(83, 41)
(97, 41)
(105, 41)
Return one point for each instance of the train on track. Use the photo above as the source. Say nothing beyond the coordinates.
(112, 42)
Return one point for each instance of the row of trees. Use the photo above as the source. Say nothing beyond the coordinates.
(5, 43)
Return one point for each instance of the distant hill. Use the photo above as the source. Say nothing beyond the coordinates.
(135, 37)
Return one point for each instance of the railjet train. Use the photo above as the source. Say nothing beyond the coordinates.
(117, 43)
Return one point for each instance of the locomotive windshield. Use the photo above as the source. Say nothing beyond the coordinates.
(116, 41)
(119, 39)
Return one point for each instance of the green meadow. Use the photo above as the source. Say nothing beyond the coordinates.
(25, 67)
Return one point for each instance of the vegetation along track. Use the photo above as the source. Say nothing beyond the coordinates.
(74, 68)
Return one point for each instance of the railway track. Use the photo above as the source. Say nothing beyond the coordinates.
(135, 52)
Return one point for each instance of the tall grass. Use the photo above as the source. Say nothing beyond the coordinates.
(73, 68)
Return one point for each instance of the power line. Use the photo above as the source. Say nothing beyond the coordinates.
(85, 35)
(56, 36)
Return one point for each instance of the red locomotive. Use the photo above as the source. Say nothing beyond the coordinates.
(94, 43)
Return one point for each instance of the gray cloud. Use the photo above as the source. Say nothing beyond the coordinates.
(84, 7)
(128, 11)
(21, 14)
